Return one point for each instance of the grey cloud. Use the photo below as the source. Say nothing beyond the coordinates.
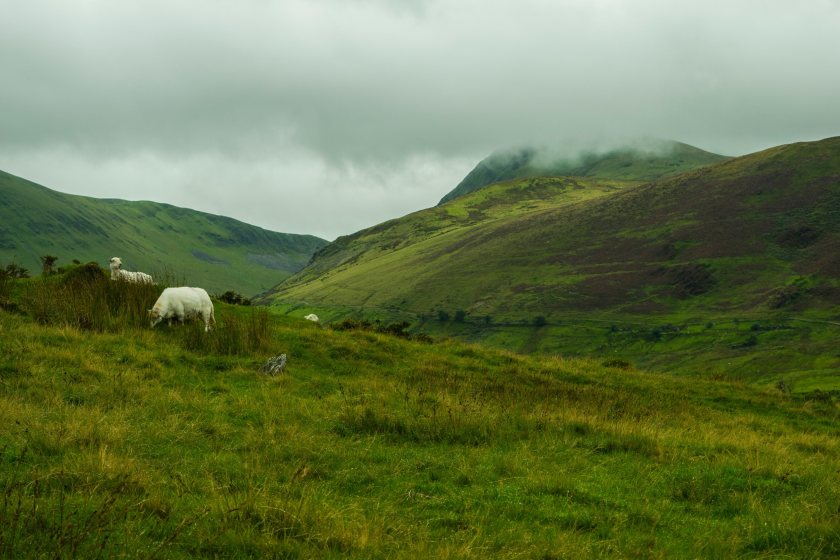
(366, 87)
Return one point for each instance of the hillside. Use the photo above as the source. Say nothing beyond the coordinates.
(216, 252)
(645, 162)
(123, 441)
(753, 240)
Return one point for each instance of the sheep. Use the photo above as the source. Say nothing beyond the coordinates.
(183, 303)
(117, 273)
(312, 317)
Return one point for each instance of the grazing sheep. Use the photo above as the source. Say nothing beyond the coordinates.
(117, 273)
(183, 303)
(312, 317)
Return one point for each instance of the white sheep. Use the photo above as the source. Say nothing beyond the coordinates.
(183, 303)
(117, 273)
(312, 317)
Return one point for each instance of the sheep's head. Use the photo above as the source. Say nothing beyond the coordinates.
(115, 263)
(154, 317)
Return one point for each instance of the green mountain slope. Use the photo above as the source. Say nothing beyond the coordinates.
(755, 238)
(193, 247)
(422, 236)
(653, 161)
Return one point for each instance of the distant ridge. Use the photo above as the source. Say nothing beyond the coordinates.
(645, 162)
(216, 252)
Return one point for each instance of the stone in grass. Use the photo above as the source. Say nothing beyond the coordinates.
(274, 365)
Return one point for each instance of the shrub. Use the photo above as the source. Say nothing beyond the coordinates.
(47, 263)
(234, 298)
(15, 271)
(396, 329)
(352, 325)
(460, 316)
(539, 321)
(657, 333)
(443, 316)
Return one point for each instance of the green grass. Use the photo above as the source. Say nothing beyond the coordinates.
(169, 443)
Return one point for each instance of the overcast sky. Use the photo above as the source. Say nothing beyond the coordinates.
(328, 116)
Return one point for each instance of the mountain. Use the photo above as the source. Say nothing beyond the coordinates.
(754, 240)
(644, 162)
(192, 247)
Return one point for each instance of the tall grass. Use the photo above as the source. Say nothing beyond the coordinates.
(234, 334)
(87, 299)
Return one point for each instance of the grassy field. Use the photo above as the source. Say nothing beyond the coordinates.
(799, 351)
(122, 441)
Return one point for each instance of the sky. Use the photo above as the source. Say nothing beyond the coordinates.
(325, 117)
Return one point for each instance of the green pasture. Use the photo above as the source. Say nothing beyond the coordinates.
(123, 441)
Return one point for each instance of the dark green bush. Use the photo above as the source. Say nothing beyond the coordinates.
(234, 298)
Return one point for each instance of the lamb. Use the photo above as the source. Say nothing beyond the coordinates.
(117, 273)
(183, 303)
(312, 317)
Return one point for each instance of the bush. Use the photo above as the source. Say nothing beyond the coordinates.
(460, 316)
(234, 298)
(14, 271)
(396, 329)
(617, 363)
(443, 316)
(352, 325)
(540, 321)
(47, 264)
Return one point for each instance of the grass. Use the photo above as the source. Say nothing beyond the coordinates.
(165, 443)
